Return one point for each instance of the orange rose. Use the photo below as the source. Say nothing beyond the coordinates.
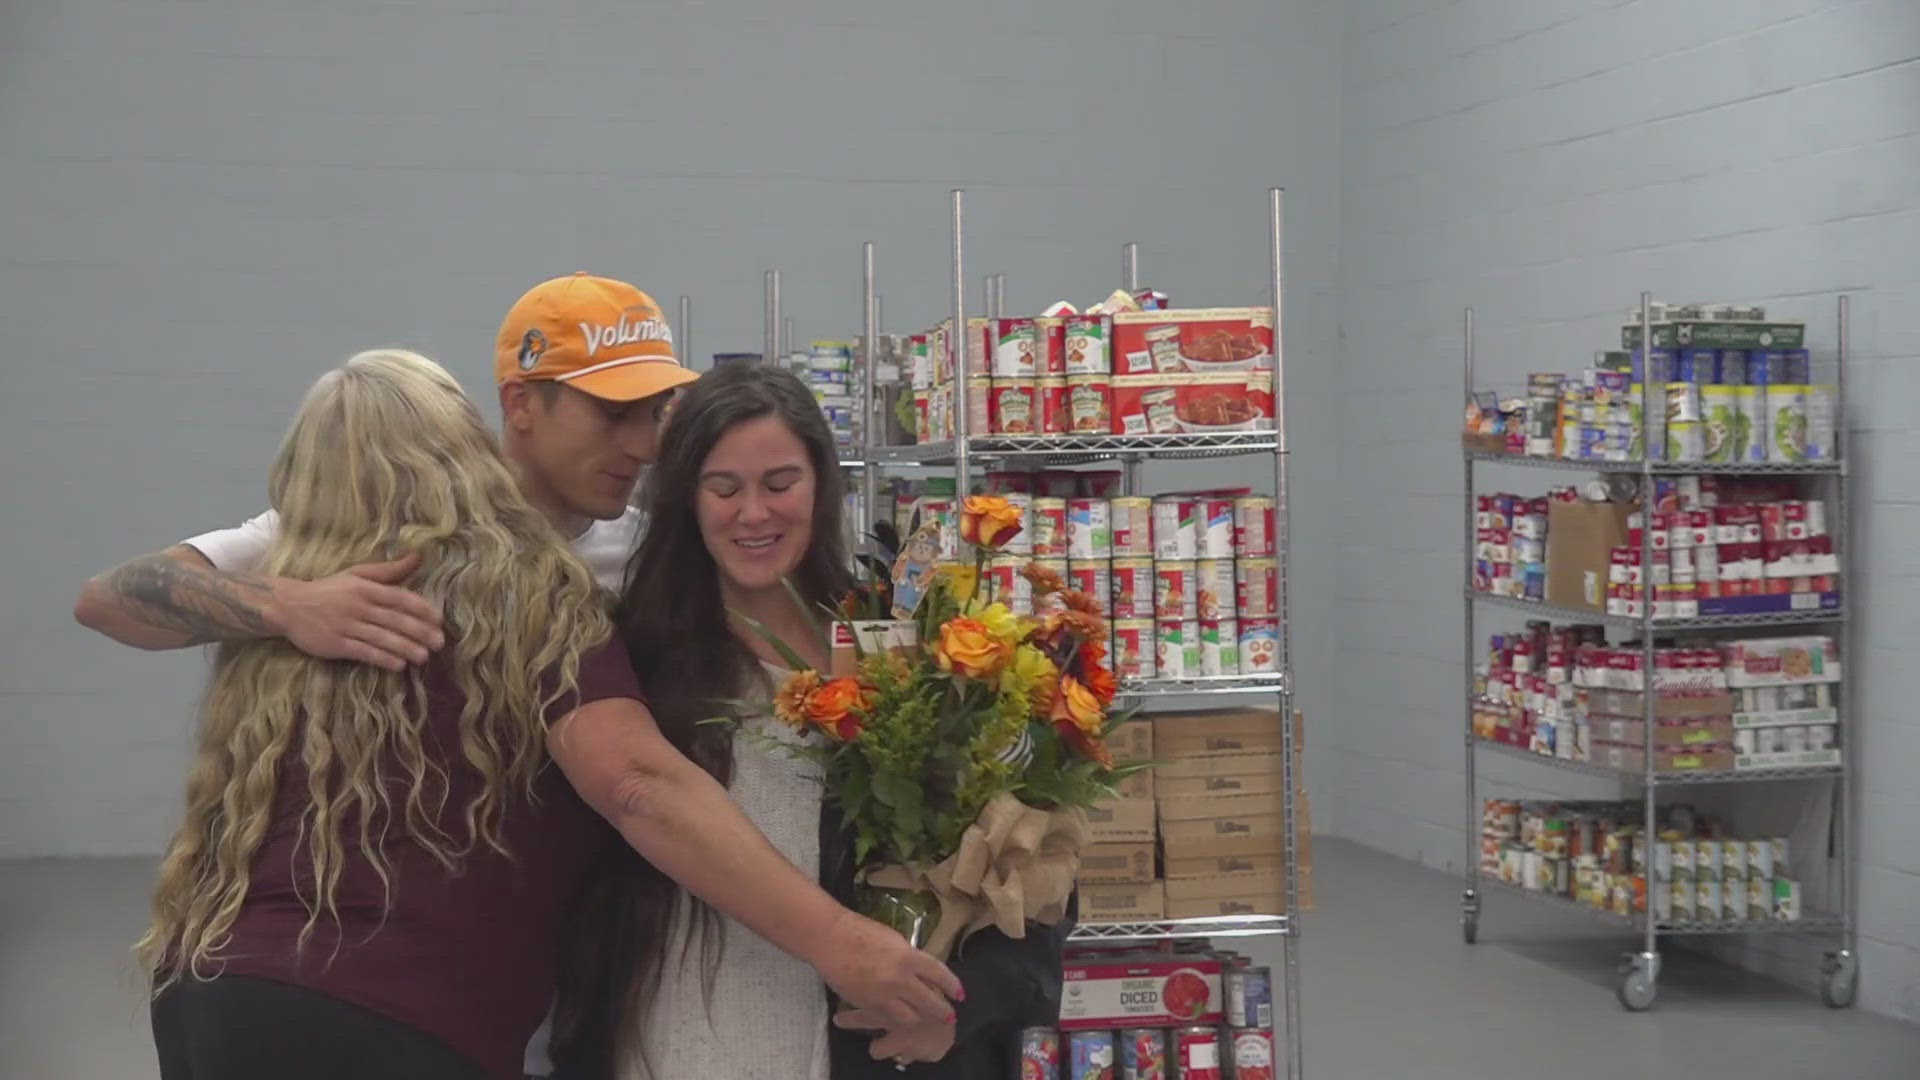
(1099, 680)
(1077, 717)
(836, 707)
(988, 521)
(967, 648)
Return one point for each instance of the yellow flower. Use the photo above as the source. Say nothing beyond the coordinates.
(1002, 623)
(966, 648)
(961, 581)
(988, 521)
(790, 701)
(1035, 675)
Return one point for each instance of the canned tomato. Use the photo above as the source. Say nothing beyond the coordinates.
(1132, 528)
(1215, 588)
(1089, 529)
(1259, 646)
(979, 405)
(1133, 648)
(1253, 526)
(1219, 647)
(1143, 1054)
(1214, 519)
(1013, 348)
(1091, 576)
(1050, 398)
(1196, 1053)
(1050, 347)
(1088, 338)
(1249, 993)
(1090, 1056)
(1089, 405)
(1007, 585)
(1133, 589)
(1020, 543)
(1049, 527)
(1175, 594)
(1039, 1054)
(1254, 1053)
(979, 346)
(1176, 528)
(1011, 409)
(1176, 648)
(1257, 588)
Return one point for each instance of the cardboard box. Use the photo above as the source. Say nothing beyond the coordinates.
(1205, 866)
(1581, 537)
(1188, 403)
(1632, 703)
(1209, 807)
(1136, 902)
(1215, 886)
(1140, 991)
(1673, 760)
(1249, 784)
(1718, 334)
(1116, 864)
(1257, 835)
(1198, 340)
(1122, 821)
(1266, 903)
(1703, 731)
(1216, 731)
(1217, 766)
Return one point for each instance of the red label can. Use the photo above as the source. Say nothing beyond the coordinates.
(1196, 1054)
(1050, 347)
(1133, 527)
(1051, 399)
(1049, 528)
(1253, 526)
(1257, 588)
(1133, 650)
(1133, 589)
(1093, 578)
(1011, 409)
(1175, 591)
(1088, 338)
(1013, 348)
(1089, 405)
(1215, 523)
(1039, 1054)
(1008, 585)
(1143, 1054)
(1216, 587)
(1253, 1054)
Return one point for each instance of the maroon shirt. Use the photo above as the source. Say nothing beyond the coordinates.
(469, 957)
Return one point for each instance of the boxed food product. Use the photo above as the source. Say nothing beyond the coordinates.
(1116, 864)
(1121, 820)
(1581, 537)
(1209, 866)
(1211, 838)
(1193, 404)
(1675, 759)
(1203, 907)
(1627, 703)
(1704, 731)
(1132, 741)
(1185, 733)
(1786, 661)
(1133, 902)
(1140, 991)
(1197, 340)
(1249, 783)
(1141, 785)
(1718, 334)
(1207, 807)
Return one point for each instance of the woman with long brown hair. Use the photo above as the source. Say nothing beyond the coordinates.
(375, 865)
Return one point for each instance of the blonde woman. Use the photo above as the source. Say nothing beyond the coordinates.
(375, 865)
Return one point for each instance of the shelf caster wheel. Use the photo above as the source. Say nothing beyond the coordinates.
(1470, 917)
(1840, 980)
(1639, 982)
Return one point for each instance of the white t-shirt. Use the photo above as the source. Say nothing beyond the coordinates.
(605, 547)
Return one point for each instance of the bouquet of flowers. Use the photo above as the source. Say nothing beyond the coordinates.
(963, 750)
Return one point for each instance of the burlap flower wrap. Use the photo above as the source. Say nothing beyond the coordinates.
(1015, 865)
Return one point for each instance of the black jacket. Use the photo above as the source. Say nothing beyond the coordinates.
(1010, 985)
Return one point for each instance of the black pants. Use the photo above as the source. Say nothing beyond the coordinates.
(233, 1028)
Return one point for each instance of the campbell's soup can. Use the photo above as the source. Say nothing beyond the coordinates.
(1013, 348)
(1091, 576)
(1090, 1055)
(1050, 398)
(1215, 588)
(1049, 527)
(1133, 527)
(1039, 1054)
(1259, 646)
(1214, 539)
(1052, 602)
(1133, 589)
(979, 405)
(1050, 346)
(1219, 647)
(1254, 1053)
(1089, 405)
(1176, 648)
(1143, 1054)
(1196, 1054)
(1020, 543)
(1175, 591)
(1257, 588)
(1007, 585)
(1133, 648)
(1011, 409)
(1176, 528)
(1089, 529)
(1253, 526)
(1089, 340)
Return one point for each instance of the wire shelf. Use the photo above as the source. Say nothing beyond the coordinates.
(1661, 468)
(1704, 622)
(1811, 923)
(1664, 779)
(1066, 449)
(1206, 684)
(1219, 926)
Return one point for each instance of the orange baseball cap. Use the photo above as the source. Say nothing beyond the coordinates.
(601, 336)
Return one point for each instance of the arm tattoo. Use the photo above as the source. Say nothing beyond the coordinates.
(202, 603)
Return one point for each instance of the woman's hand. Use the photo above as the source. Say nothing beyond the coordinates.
(916, 1042)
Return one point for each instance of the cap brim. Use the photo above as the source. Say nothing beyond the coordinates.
(631, 382)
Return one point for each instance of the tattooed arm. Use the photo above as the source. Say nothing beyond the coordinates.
(177, 598)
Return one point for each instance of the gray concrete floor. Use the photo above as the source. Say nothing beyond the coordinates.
(1390, 990)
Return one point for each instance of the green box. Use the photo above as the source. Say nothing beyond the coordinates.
(1719, 334)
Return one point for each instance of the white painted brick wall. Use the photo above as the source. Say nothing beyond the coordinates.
(1545, 162)
(204, 204)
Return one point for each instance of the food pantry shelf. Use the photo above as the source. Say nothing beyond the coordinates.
(1665, 779)
(1811, 923)
(1704, 622)
(1662, 468)
(1208, 684)
(1067, 448)
(1218, 926)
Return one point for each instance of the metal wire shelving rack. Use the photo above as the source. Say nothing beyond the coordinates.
(967, 449)
(1640, 971)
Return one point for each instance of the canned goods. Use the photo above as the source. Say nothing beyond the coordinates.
(922, 417)
(1259, 646)
(1039, 1054)
(1253, 526)
(1007, 585)
(1257, 588)
(1133, 589)
(1176, 648)
(1743, 741)
(1216, 588)
(1088, 342)
(1793, 739)
(1176, 528)
(1196, 1053)
(1143, 1054)
(1819, 736)
(1050, 399)
(1254, 1054)
(1175, 591)
(1089, 404)
(1092, 577)
(1049, 527)
(1215, 523)
(1133, 648)
(1020, 543)
(1089, 530)
(1049, 347)
(1133, 528)
(1054, 601)
(1219, 647)
(1249, 993)
(1013, 348)
(1011, 409)
(1090, 1056)
(979, 405)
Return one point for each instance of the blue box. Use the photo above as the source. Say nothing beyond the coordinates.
(1701, 367)
(1663, 365)
(1733, 367)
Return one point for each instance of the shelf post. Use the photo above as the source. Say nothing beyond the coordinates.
(958, 344)
(869, 400)
(1283, 543)
(1843, 784)
(1650, 953)
(685, 330)
(1130, 266)
(772, 298)
(786, 337)
(1470, 903)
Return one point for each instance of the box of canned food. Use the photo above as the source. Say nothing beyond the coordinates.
(1190, 404)
(1142, 991)
(1197, 340)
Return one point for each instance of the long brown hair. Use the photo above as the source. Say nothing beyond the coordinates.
(689, 662)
